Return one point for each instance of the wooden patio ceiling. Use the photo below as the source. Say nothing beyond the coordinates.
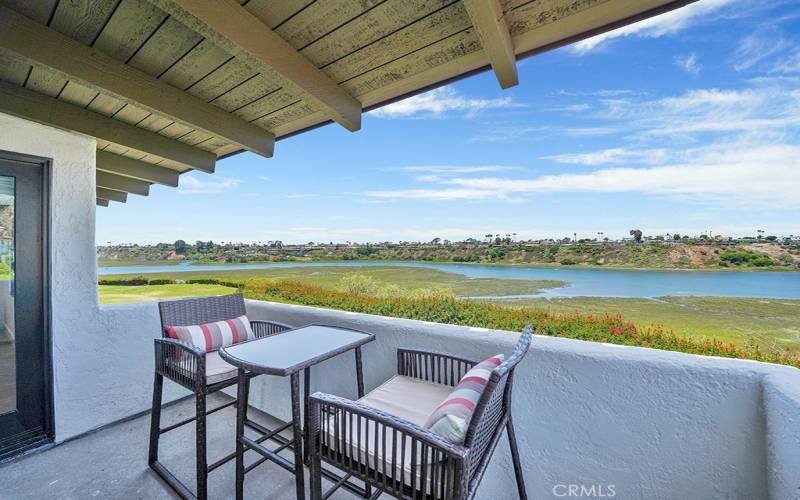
(168, 86)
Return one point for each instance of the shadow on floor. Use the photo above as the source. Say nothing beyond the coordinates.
(112, 463)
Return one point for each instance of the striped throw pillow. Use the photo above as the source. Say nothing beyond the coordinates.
(212, 336)
(451, 418)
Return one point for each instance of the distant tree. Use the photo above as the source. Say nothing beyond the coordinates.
(637, 235)
(676, 237)
(498, 240)
(436, 241)
(771, 238)
(180, 247)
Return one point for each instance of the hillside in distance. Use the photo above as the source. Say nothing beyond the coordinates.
(709, 255)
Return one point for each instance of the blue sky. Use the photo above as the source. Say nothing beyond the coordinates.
(685, 123)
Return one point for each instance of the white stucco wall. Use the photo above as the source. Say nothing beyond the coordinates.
(99, 353)
(654, 424)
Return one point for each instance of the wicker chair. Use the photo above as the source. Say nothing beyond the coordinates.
(399, 457)
(198, 371)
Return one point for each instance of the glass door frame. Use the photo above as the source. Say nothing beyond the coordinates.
(32, 440)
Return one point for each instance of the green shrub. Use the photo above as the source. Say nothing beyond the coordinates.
(745, 259)
(214, 281)
(360, 284)
(161, 282)
(568, 262)
(137, 281)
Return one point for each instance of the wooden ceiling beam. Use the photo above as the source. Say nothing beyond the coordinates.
(490, 23)
(128, 167)
(120, 183)
(40, 108)
(47, 47)
(111, 195)
(240, 33)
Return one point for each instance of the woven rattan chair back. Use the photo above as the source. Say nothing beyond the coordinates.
(196, 311)
(494, 404)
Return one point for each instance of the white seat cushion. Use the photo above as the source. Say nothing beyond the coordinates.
(406, 397)
(217, 369)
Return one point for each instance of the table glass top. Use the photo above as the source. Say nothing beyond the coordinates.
(294, 349)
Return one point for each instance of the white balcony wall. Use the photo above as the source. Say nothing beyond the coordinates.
(652, 424)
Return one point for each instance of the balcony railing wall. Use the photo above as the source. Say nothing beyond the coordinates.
(643, 422)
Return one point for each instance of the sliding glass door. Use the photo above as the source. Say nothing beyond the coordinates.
(24, 342)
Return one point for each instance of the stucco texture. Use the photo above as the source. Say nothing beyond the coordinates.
(651, 424)
(102, 357)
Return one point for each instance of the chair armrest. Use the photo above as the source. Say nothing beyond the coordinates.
(431, 366)
(268, 328)
(180, 362)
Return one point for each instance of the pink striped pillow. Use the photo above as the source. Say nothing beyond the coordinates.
(212, 336)
(451, 418)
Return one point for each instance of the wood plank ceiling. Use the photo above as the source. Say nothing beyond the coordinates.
(167, 86)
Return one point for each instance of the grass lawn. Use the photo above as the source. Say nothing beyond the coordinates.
(121, 294)
(772, 324)
(407, 278)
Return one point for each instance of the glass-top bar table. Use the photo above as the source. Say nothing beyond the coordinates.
(286, 354)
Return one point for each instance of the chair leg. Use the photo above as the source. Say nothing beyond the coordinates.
(297, 436)
(202, 465)
(155, 420)
(316, 471)
(512, 441)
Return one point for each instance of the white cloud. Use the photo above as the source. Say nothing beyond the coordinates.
(598, 93)
(451, 169)
(438, 194)
(611, 156)
(581, 131)
(689, 63)
(299, 196)
(787, 64)
(768, 108)
(506, 132)
(440, 102)
(571, 108)
(264, 178)
(655, 27)
(193, 185)
(759, 47)
(739, 175)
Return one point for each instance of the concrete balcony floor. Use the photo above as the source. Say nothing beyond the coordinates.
(112, 462)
